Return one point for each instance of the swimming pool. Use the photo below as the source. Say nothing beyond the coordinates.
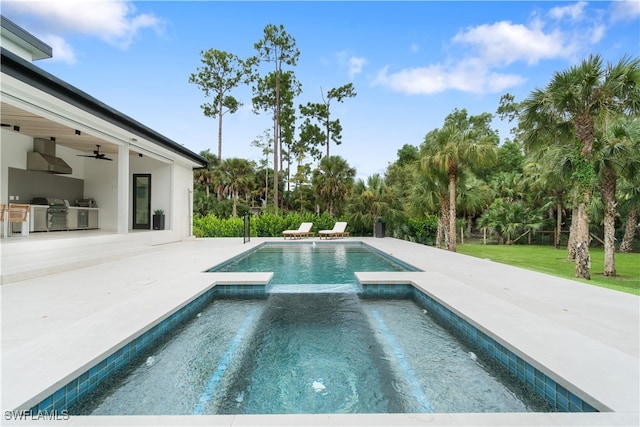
(76, 390)
(314, 263)
(311, 353)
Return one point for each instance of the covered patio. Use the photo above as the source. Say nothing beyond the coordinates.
(60, 143)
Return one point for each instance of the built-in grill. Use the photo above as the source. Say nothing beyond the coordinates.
(56, 212)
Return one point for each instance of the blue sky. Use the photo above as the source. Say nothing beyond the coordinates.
(411, 63)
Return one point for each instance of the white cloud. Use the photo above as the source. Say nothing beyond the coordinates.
(497, 82)
(113, 21)
(62, 51)
(503, 43)
(597, 33)
(355, 66)
(467, 76)
(574, 12)
(481, 53)
(626, 10)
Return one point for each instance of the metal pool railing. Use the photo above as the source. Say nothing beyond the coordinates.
(246, 229)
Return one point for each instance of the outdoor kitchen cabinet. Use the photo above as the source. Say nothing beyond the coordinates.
(94, 218)
(38, 218)
(72, 218)
(81, 218)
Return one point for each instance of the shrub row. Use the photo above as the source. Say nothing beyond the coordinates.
(420, 230)
(265, 225)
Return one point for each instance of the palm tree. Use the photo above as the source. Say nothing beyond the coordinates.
(372, 200)
(549, 172)
(616, 153)
(568, 110)
(429, 194)
(630, 203)
(473, 196)
(458, 144)
(238, 177)
(205, 176)
(333, 180)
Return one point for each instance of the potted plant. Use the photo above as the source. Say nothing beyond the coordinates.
(158, 219)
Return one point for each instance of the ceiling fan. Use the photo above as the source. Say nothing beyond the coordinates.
(96, 154)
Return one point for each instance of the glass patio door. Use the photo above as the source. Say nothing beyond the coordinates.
(142, 201)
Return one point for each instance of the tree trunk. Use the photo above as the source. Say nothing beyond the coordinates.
(583, 260)
(220, 127)
(452, 212)
(608, 194)
(328, 132)
(234, 210)
(584, 127)
(443, 225)
(281, 168)
(558, 218)
(571, 245)
(629, 230)
(439, 233)
(275, 161)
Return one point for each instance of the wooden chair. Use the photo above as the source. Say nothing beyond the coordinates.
(3, 219)
(19, 213)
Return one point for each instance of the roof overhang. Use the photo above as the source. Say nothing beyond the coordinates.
(33, 125)
(25, 40)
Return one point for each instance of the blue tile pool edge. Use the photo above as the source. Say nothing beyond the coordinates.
(71, 393)
(558, 396)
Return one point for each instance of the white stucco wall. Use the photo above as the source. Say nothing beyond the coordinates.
(101, 184)
(182, 201)
(13, 154)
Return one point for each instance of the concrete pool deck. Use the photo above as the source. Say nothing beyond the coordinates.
(60, 320)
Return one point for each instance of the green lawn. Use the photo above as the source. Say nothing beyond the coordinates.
(547, 259)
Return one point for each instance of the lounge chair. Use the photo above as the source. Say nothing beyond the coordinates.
(303, 231)
(338, 231)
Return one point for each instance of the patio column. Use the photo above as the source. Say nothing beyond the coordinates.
(123, 189)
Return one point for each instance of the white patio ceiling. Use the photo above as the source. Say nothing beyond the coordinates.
(39, 127)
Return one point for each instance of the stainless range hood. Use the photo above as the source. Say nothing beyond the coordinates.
(43, 158)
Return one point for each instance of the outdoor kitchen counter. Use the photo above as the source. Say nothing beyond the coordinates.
(38, 220)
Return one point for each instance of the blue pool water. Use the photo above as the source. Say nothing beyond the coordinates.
(313, 263)
(310, 353)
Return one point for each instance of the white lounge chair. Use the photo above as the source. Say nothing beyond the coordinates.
(339, 230)
(303, 231)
